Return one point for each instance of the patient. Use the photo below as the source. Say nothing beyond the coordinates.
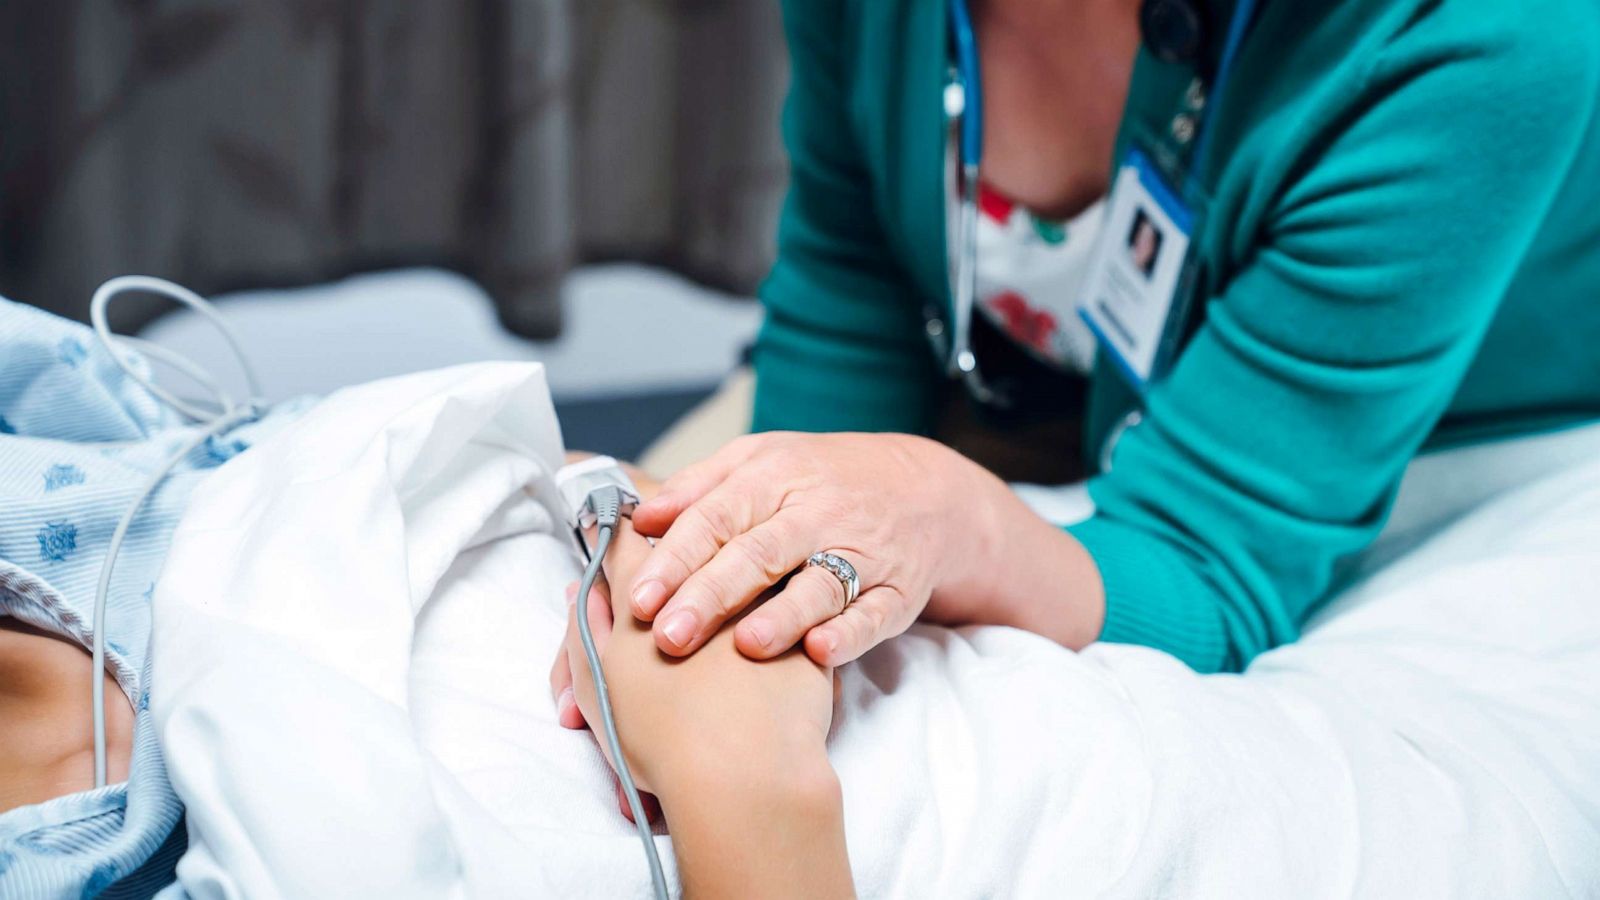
(752, 764)
(732, 748)
(79, 439)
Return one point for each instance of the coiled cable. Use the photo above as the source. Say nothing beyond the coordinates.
(227, 415)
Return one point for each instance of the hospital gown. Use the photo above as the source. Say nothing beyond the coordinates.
(78, 439)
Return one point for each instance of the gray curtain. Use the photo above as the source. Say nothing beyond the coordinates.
(697, 86)
(235, 144)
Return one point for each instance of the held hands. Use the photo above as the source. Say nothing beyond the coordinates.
(684, 724)
(735, 747)
(899, 509)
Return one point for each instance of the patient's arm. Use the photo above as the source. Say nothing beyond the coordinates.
(735, 750)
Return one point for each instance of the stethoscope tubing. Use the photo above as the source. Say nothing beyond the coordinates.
(961, 362)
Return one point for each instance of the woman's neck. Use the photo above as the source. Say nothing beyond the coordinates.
(1055, 77)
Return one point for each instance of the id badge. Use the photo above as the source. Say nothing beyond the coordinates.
(1136, 291)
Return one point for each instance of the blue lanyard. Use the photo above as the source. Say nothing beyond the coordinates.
(1243, 14)
(971, 85)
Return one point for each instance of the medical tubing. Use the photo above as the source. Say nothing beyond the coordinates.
(214, 423)
(606, 503)
(153, 351)
(102, 590)
(126, 283)
(605, 509)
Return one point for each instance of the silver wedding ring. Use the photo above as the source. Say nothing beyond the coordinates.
(842, 570)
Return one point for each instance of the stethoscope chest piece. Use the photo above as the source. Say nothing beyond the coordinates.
(1174, 30)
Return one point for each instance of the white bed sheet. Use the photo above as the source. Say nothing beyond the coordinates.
(356, 620)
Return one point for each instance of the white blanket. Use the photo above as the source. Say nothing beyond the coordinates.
(355, 624)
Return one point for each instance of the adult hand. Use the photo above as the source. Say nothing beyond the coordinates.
(907, 513)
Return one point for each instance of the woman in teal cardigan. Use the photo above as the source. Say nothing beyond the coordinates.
(1400, 250)
(1370, 228)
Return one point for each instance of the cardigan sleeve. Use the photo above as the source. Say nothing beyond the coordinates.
(842, 346)
(1276, 445)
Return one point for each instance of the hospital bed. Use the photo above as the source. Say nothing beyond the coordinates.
(1436, 732)
(354, 617)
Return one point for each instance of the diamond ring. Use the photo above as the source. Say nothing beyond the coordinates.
(841, 570)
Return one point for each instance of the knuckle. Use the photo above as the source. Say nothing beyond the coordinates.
(827, 596)
(796, 619)
(716, 521)
(863, 632)
(685, 477)
(763, 553)
(835, 507)
(876, 621)
(904, 612)
(812, 592)
(741, 450)
(676, 562)
(722, 591)
(830, 595)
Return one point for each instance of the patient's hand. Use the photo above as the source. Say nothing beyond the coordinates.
(732, 746)
(674, 714)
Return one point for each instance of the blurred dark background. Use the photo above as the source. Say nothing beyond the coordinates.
(248, 145)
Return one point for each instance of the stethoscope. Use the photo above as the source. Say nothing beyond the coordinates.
(963, 100)
(1173, 30)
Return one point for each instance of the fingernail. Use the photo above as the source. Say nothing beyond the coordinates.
(760, 632)
(572, 593)
(564, 702)
(648, 596)
(679, 627)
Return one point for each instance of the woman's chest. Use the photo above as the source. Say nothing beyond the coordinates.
(1054, 82)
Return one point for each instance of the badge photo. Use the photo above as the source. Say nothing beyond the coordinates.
(1137, 270)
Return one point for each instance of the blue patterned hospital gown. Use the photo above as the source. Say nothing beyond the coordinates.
(78, 438)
